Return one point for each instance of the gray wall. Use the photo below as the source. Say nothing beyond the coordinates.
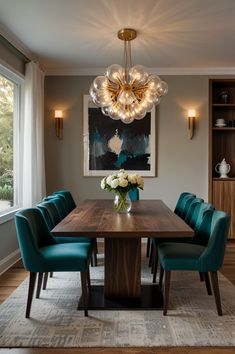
(181, 163)
(8, 240)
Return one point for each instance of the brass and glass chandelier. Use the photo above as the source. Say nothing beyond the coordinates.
(128, 92)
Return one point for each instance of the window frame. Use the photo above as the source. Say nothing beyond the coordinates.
(18, 81)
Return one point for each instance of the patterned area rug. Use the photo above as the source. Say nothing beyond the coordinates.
(54, 322)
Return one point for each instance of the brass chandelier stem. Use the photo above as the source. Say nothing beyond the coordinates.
(125, 60)
(127, 35)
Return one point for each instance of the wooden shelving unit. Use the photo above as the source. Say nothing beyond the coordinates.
(222, 145)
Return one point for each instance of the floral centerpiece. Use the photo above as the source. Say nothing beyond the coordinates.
(121, 183)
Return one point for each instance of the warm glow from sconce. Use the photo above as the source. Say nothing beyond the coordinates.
(58, 114)
(191, 113)
(59, 124)
(191, 122)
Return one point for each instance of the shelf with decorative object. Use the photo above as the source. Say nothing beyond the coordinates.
(224, 128)
(224, 105)
(223, 179)
(222, 146)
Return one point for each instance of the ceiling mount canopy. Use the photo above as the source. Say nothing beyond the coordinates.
(127, 34)
(127, 93)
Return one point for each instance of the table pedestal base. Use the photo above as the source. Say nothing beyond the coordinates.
(122, 270)
(151, 299)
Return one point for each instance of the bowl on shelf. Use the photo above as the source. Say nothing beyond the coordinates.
(220, 122)
(220, 125)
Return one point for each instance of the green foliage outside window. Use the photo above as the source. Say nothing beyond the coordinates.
(6, 139)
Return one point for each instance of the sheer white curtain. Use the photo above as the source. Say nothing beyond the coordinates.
(32, 165)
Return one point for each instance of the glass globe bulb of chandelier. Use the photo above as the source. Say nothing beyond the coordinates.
(138, 74)
(115, 73)
(126, 97)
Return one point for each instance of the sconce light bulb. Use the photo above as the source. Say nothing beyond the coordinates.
(191, 113)
(58, 113)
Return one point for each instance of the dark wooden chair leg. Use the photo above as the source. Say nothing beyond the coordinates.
(45, 281)
(155, 266)
(161, 276)
(88, 279)
(96, 246)
(148, 247)
(40, 276)
(93, 259)
(166, 291)
(51, 274)
(153, 259)
(208, 284)
(215, 285)
(201, 275)
(84, 292)
(151, 255)
(94, 253)
(32, 280)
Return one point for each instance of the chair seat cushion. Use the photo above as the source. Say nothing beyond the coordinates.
(180, 256)
(64, 239)
(157, 241)
(67, 257)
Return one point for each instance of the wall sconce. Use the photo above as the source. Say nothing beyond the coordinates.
(191, 122)
(59, 124)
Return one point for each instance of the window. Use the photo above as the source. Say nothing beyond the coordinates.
(10, 98)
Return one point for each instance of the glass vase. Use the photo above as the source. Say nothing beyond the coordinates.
(122, 203)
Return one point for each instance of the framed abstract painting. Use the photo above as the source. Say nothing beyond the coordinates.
(110, 145)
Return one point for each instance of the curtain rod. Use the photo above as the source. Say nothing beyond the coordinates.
(14, 49)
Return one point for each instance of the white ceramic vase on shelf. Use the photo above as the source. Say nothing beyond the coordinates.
(223, 168)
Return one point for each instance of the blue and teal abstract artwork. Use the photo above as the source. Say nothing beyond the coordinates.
(114, 145)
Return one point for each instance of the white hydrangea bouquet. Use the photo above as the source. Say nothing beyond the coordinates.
(121, 183)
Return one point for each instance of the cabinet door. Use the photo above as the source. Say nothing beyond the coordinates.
(224, 199)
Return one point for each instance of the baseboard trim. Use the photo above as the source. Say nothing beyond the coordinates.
(9, 261)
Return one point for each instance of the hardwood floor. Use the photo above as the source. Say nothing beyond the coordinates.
(178, 350)
(10, 280)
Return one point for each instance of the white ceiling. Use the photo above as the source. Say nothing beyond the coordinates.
(80, 35)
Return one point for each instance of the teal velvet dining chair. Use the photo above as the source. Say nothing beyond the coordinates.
(196, 202)
(41, 253)
(65, 205)
(181, 209)
(205, 255)
(52, 218)
(60, 204)
(188, 200)
(134, 195)
(197, 212)
(58, 201)
(191, 218)
(180, 201)
(68, 198)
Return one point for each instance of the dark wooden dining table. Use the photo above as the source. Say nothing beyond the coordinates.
(122, 235)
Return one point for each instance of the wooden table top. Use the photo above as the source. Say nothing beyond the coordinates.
(97, 218)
